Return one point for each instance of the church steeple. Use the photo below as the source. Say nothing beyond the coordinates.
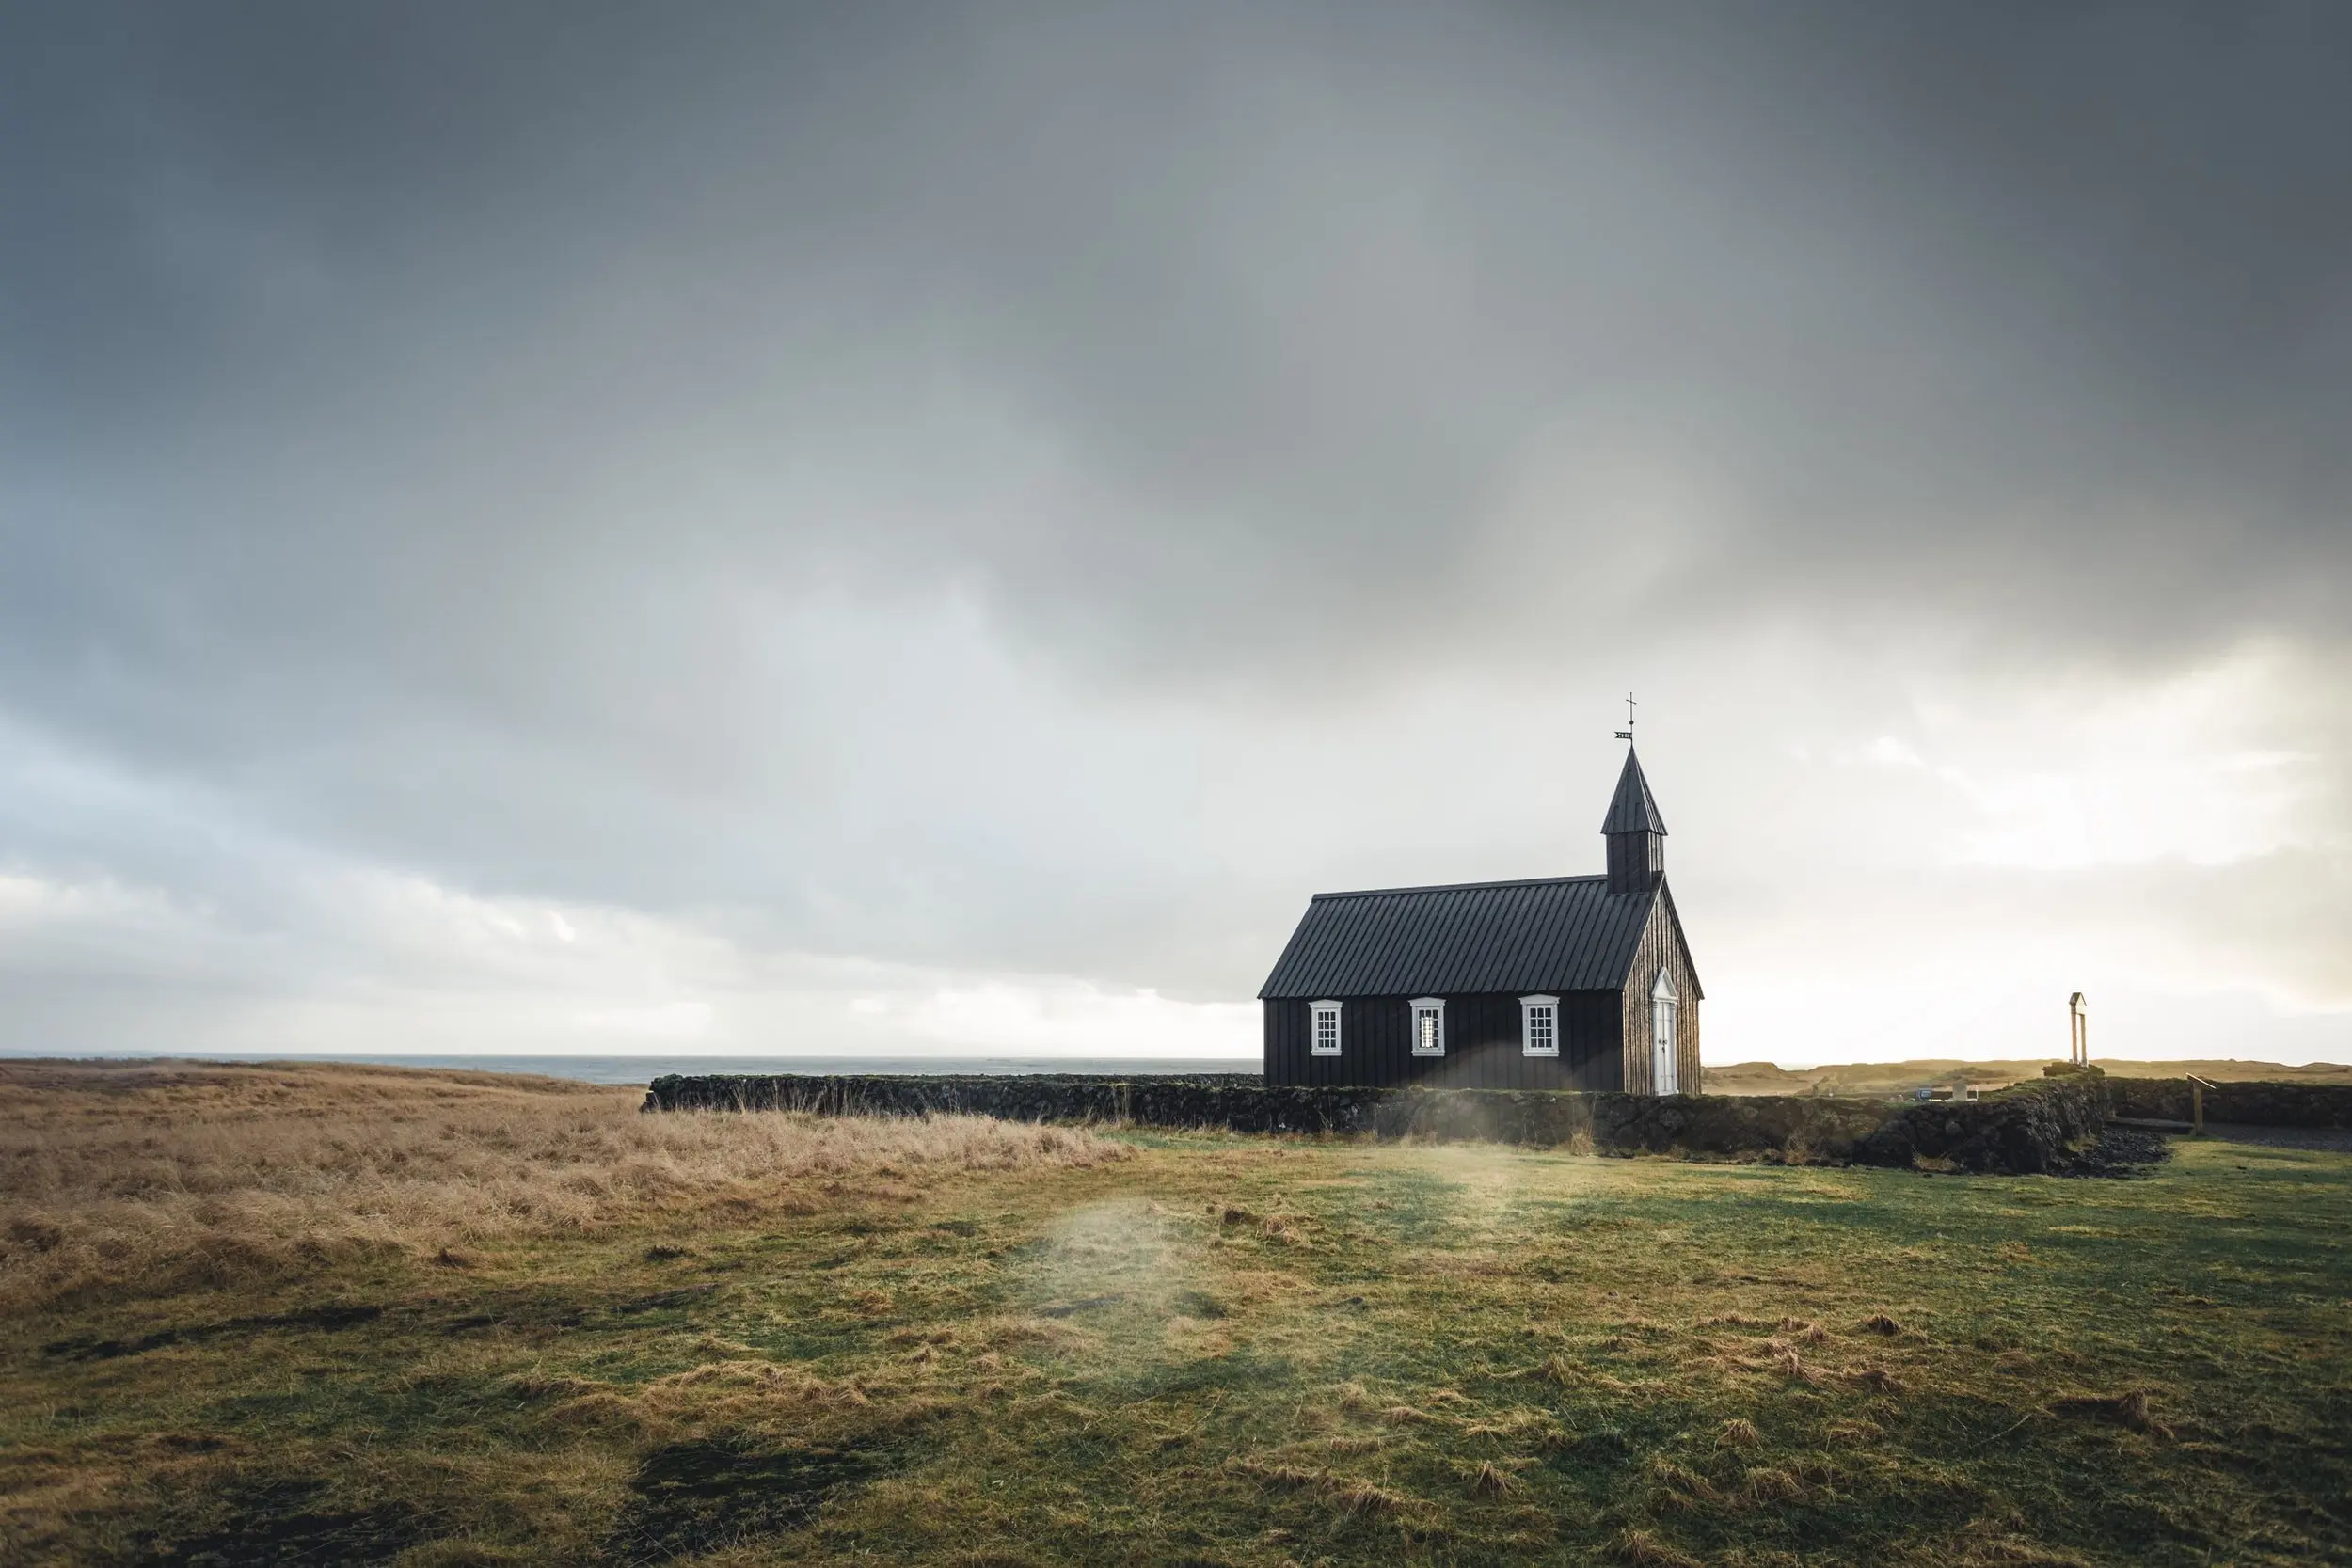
(1636, 832)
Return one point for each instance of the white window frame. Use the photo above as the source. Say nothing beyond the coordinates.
(1665, 1065)
(1529, 1007)
(1432, 1008)
(1316, 1013)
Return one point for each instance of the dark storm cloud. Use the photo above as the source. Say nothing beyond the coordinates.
(511, 440)
(1951, 306)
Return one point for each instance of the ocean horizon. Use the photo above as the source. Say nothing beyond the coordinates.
(593, 1068)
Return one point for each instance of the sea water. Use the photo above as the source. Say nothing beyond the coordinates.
(639, 1070)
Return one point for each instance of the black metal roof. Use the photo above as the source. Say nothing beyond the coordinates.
(1632, 809)
(1549, 934)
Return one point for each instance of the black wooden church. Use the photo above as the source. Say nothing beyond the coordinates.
(1553, 983)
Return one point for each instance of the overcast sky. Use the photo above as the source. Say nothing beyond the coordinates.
(738, 528)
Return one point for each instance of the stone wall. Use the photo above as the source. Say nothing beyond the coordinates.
(1799, 1130)
(2031, 1128)
(1238, 1101)
(2257, 1104)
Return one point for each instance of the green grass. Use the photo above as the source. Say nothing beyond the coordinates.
(1237, 1351)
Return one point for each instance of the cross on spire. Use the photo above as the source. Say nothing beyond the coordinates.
(1626, 733)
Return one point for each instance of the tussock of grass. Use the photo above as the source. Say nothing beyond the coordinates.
(1644, 1549)
(2129, 1409)
(1517, 1426)
(1492, 1481)
(1281, 1474)
(773, 1384)
(1365, 1496)
(1768, 1485)
(1352, 1495)
(1681, 1485)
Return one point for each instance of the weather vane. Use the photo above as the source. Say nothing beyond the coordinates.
(1626, 733)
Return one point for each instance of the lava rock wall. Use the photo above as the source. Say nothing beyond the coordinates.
(2031, 1128)
(2254, 1104)
(1791, 1128)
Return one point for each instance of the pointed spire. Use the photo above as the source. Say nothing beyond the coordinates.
(1635, 831)
(1632, 810)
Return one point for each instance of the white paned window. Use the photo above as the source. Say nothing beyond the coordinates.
(1539, 1025)
(1429, 1027)
(1325, 1039)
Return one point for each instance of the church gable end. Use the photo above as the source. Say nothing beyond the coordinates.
(1663, 949)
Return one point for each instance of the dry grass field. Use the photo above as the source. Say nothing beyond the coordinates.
(314, 1315)
(176, 1175)
(1867, 1079)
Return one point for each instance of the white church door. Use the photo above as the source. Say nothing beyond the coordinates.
(1664, 1077)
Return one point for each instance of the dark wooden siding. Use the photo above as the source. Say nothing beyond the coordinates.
(1482, 1045)
(1636, 861)
(1662, 944)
